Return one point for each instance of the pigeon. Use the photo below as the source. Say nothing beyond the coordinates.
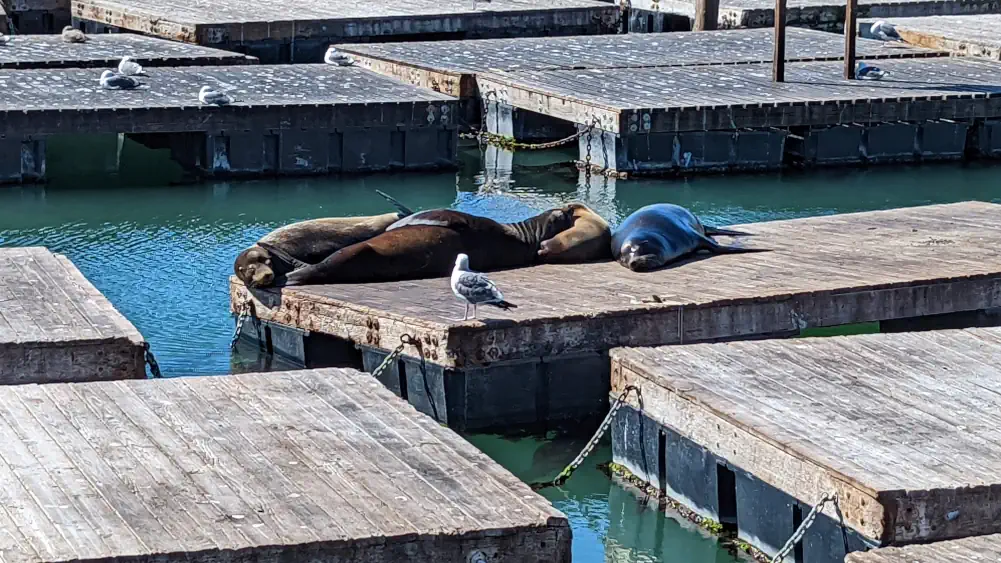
(111, 80)
(130, 68)
(72, 35)
(475, 288)
(335, 57)
(885, 31)
(210, 96)
(868, 72)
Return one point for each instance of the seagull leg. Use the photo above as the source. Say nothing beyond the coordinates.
(474, 310)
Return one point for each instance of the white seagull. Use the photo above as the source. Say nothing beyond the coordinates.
(868, 72)
(475, 288)
(335, 57)
(4, 39)
(128, 67)
(210, 96)
(72, 35)
(114, 81)
(885, 31)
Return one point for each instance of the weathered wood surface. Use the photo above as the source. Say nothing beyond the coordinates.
(822, 271)
(304, 465)
(903, 426)
(46, 101)
(734, 97)
(106, 50)
(55, 326)
(973, 35)
(450, 66)
(241, 21)
(978, 549)
(819, 14)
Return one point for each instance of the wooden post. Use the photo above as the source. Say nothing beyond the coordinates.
(851, 13)
(706, 15)
(779, 53)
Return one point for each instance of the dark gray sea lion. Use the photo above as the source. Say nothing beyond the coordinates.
(658, 234)
(304, 243)
(427, 248)
(588, 239)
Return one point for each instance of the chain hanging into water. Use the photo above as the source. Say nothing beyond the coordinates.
(589, 447)
(805, 525)
(243, 312)
(154, 368)
(587, 163)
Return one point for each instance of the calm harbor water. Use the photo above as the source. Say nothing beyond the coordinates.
(162, 255)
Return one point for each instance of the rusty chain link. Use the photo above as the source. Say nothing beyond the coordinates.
(243, 312)
(589, 447)
(154, 368)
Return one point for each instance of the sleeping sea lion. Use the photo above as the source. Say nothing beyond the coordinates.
(428, 248)
(304, 243)
(658, 234)
(588, 239)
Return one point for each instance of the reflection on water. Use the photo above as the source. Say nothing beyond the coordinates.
(162, 255)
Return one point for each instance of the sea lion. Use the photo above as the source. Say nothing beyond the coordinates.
(428, 248)
(304, 243)
(588, 239)
(658, 234)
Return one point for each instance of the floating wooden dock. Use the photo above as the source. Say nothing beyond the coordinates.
(56, 327)
(303, 465)
(106, 50)
(547, 360)
(301, 31)
(977, 549)
(38, 16)
(725, 117)
(827, 15)
(286, 119)
(972, 35)
(901, 427)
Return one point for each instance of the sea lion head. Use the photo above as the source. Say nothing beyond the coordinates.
(643, 252)
(253, 267)
(555, 221)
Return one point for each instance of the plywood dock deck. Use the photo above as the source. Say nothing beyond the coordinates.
(301, 31)
(286, 119)
(822, 271)
(55, 326)
(291, 466)
(973, 35)
(978, 549)
(902, 427)
(452, 66)
(106, 50)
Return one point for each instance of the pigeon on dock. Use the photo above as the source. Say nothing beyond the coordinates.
(111, 80)
(73, 35)
(128, 67)
(475, 288)
(885, 31)
(335, 57)
(868, 72)
(210, 96)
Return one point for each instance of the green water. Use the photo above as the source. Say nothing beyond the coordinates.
(162, 255)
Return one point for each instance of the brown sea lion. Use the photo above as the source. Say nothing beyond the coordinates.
(428, 248)
(590, 238)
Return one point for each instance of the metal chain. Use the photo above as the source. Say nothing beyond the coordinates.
(804, 526)
(506, 142)
(589, 447)
(390, 358)
(244, 312)
(154, 368)
(587, 161)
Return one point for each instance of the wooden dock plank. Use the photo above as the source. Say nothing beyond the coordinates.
(973, 35)
(821, 271)
(56, 326)
(744, 96)
(169, 443)
(966, 550)
(893, 430)
(106, 50)
(443, 65)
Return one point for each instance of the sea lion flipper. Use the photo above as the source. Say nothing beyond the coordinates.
(717, 248)
(406, 211)
(714, 231)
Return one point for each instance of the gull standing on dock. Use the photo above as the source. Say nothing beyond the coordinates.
(885, 31)
(335, 57)
(114, 81)
(869, 72)
(475, 288)
(128, 67)
(73, 35)
(210, 96)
